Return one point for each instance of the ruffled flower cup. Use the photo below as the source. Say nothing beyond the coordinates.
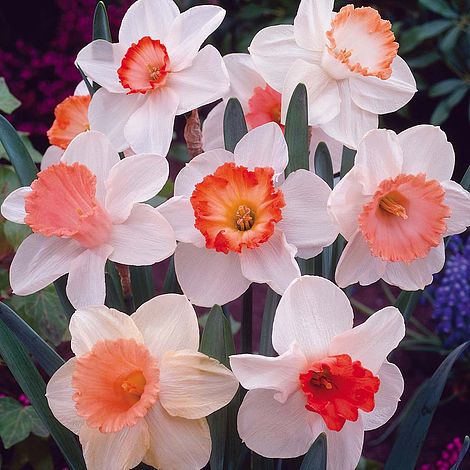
(328, 378)
(83, 211)
(395, 207)
(155, 72)
(261, 104)
(347, 60)
(235, 223)
(138, 389)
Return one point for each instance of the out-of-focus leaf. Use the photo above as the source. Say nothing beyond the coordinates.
(443, 109)
(441, 7)
(424, 60)
(407, 302)
(24, 136)
(367, 464)
(37, 426)
(448, 42)
(8, 181)
(8, 103)
(15, 233)
(462, 454)
(414, 36)
(15, 422)
(234, 124)
(296, 130)
(315, 459)
(414, 427)
(445, 87)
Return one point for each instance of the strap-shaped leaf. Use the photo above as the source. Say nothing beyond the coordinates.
(415, 425)
(465, 183)
(46, 357)
(60, 287)
(347, 161)
(315, 459)
(270, 305)
(407, 302)
(323, 165)
(33, 386)
(143, 288)
(234, 124)
(462, 453)
(170, 283)
(296, 131)
(101, 28)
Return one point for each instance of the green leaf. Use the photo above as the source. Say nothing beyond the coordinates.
(143, 288)
(33, 386)
(347, 161)
(315, 459)
(60, 287)
(462, 454)
(37, 426)
(101, 28)
(423, 60)
(15, 233)
(46, 357)
(17, 153)
(407, 302)
(88, 84)
(234, 124)
(415, 425)
(15, 422)
(296, 131)
(414, 36)
(448, 42)
(8, 181)
(443, 109)
(444, 87)
(170, 284)
(43, 311)
(465, 183)
(270, 305)
(8, 103)
(441, 7)
(323, 165)
(24, 136)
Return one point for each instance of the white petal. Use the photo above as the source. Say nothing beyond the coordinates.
(372, 341)
(199, 167)
(100, 61)
(51, 157)
(134, 179)
(274, 50)
(86, 284)
(40, 261)
(179, 212)
(274, 429)
(148, 18)
(264, 146)
(357, 264)
(189, 31)
(344, 448)
(312, 312)
(177, 443)
(81, 89)
(93, 324)
(205, 81)
(384, 96)
(379, 156)
(311, 23)
(244, 77)
(346, 202)
(427, 150)
(168, 323)
(458, 199)
(13, 205)
(117, 450)
(306, 222)
(193, 385)
(280, 374)
(334, 146)
(59, 393)
(352, 122)
(203, 274)
(213, 129)
(322, 92)
(273, 263)
(387, 398)
(121, 107)
(143, 239)
(94, 150)
(418, 274)
(150, 127)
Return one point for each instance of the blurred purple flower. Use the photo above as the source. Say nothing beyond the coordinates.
(449, 456)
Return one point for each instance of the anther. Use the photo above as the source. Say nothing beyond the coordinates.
(244, 218)
(387, 203)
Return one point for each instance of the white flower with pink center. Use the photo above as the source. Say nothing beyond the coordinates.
(85, 210)
(395, 207)
(261, 104)
(347, 60)
(237, 225)
(154, 73)
(328, 378)
(138, 389)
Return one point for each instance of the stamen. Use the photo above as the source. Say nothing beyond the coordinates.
(388, 203)
(134, 384)
(245, 218)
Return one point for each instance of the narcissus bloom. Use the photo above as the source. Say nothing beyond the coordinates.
(261, 105)
(235, 223)
(83, 211)
(347, 60)
(138, 389)
(395, 207)
(153, 73)
(328, 377)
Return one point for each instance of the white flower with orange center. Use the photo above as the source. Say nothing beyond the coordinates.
(154, 73)
(395, 207)
(261, 104)
(347, 60)
(85, 210)
(328, 378)
(138, 389)
(237, 225)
